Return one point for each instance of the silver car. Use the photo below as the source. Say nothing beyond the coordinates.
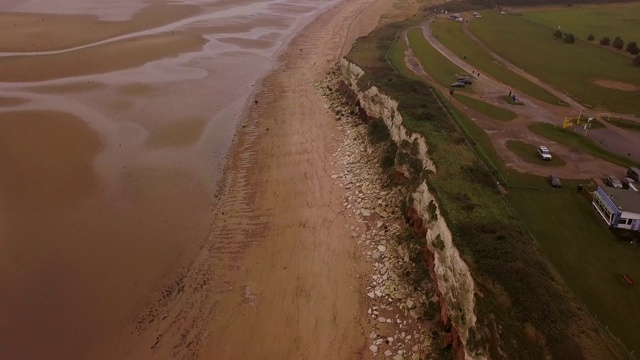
(613, 182)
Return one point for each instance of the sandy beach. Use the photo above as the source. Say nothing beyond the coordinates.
(116, 242)
(278, 278)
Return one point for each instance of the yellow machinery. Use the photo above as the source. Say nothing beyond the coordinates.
(569, 121)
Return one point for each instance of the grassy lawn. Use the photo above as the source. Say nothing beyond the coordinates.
(505, 260)
(602, 20)
(627, 124)
(529, 153)
(443, 71)
(587, 255)
(451, 35)
(492, 111)
(365, 55)
(579, 142)
(570, 67)
(396, 57)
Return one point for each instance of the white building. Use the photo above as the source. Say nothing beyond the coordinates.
(619, 208)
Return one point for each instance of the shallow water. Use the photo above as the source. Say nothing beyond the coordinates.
(108, 179)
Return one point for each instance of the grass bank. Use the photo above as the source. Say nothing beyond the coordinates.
(491, 111)
(521, 294)
(589, 257)
(529, 153)
(579, 142)
(443, 71)
(452, 36)
(627, 124)
(573, 68)
(601, 20)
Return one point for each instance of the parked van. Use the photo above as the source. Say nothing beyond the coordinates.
(634, 173)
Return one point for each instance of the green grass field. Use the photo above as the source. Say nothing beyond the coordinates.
(570, 67)
(627, 124)
(601, 20)
(451, 35)
(492, 111)
(443, 71)
(579, 142)
(396, 57)
(587, 255)
(529, 153)
(504, 258)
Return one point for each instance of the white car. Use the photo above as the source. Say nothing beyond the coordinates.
(544, 153)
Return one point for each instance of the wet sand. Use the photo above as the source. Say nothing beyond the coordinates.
(281, 275)
(99, 59)
(45, 31)
(74, 262)
(112, 242)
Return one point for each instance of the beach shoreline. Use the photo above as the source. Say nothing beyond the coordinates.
(278, 254)
(281, 275)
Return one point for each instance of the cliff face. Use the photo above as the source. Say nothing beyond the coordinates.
(454, 284)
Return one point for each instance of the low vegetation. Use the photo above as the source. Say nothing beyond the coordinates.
(522, 297)
(396, 57)
(586, 254)
(491, 111)
(579, 69)
(434, 63)
(529, 153)
(579, 142)
(591, 21)
(452, 36)
(632, 48)
(627, 124)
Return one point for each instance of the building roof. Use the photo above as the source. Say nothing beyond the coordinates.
(625, 200)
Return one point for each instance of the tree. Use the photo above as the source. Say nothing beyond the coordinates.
(605, 41)
(636, 60)
(618, 43)
(632, 48)
(558, 34)
(569, 39)
(591, 37)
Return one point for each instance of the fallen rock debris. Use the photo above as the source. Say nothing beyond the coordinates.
(399, 332)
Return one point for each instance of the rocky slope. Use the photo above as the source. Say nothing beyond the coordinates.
(453, 283)
(397, 296)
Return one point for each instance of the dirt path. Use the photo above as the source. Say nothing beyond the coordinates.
(615, 139)
(279, 276)
(579, 165)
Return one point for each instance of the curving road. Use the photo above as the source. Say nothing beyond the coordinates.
(488, 89)
(612, 138)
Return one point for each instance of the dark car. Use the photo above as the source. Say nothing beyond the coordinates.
(555, 181)
(465, 80)
(613, 181)
(458, 84)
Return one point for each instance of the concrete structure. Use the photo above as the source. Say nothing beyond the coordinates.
(619, 208)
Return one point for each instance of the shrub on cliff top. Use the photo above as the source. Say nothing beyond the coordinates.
(378, 131)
